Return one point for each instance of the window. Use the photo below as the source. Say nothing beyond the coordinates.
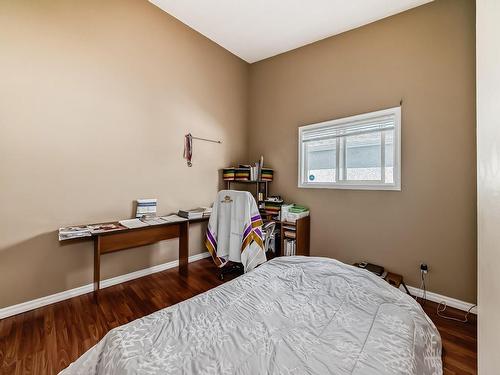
(358, 152)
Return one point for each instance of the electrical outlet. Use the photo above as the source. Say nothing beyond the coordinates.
(424, 268)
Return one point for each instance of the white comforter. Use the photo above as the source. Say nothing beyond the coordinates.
(292, 315)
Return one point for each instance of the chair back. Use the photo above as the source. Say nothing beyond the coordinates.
(267, 231)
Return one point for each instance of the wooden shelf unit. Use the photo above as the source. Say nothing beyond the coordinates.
(302, 229)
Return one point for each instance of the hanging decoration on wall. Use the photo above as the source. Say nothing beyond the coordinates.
(188, 146)
(188, 149)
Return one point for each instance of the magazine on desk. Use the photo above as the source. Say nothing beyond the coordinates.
(78, 231)
(102, 228)
(68, 233)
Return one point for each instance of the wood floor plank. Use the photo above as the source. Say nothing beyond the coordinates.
(48, 339)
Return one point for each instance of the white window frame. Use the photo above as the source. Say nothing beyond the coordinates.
(354, 185)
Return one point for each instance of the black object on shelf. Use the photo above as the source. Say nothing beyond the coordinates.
(377, 270)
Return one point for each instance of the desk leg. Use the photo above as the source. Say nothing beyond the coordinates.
(407, 291)
(97, 264)
(183, 247)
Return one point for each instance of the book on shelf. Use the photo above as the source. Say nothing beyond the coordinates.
(266, 174)
(229, 174)
(254, 174)
(289, 247)
(272, 205)
(242, 173)
(247, 172)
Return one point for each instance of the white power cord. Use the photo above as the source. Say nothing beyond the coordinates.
(422, 287)
(440, 309)
(442, 305)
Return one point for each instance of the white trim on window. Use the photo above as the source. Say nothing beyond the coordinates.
(378, 121)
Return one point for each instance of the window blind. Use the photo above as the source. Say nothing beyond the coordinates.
(327, 131)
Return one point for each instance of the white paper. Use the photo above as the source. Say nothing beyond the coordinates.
(172, 218)
(133, 223)
(152, 220)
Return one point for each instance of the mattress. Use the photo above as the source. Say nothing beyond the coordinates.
(291, 315)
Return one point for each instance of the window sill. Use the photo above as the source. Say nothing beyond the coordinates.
(350, 187)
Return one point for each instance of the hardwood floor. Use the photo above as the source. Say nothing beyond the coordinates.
(48, 339)
(459, 340)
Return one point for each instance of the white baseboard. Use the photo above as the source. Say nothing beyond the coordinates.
(438, 298)
(53, 298)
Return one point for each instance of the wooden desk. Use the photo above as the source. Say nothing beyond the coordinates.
(126, 238)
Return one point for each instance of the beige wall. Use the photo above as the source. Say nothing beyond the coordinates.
(426, 57)
(488, 182)
(95, 97)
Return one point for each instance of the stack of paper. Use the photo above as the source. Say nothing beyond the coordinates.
(207, 212)
(152, 220)
(196, 213)
(133, 223)
(102, 228)
(147, 221)
(172, 218)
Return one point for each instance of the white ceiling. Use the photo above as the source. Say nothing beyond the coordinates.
(258, 29)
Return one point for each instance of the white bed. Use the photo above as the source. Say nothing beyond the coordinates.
(292, 315)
